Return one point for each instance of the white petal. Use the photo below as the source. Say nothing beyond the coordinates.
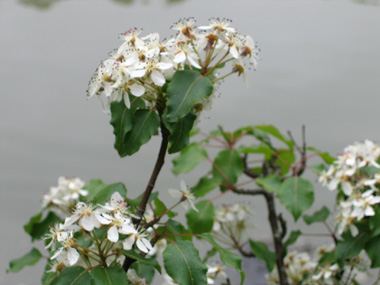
(58, 252)
(147, 243)
(71, 220)
(86, 223)
(193, 62)
(72, 255)
(183, 185)
(369, 211)
(113, 234)
(137, 90)
(234, 52)
(128, 243)
(116, 199)
(157, 78)
(180, 57)
(141, 246)
(175, 193)
(127, 102)
(138, 73)
(127, 229)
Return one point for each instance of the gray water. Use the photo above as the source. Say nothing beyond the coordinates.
(320, 67)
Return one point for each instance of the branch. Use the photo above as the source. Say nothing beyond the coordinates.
(302, 151)
(247, 170)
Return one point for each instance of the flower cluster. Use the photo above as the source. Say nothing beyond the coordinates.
(231, 219)
(302, 269)
(65, 195)
(109, 227)
(143, 64)
(356, 173)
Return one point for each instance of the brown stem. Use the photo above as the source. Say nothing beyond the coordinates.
(152, 181)
(276, 233)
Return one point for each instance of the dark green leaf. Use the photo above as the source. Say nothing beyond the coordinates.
(190, 157)
(261, 251)
(210, 253)
(136, 202)
(270, 183)
(260, 149)
(204, 186)
(292, 238)
(143, 260)
(93, 188)
(318, 216)
(374, 223)
(38, 230)
(145, 125)
(297, 195)
(318, 168)
(285, 159)
(182, 263)
(174, 227)
(122, 121)
(188, 87)
(328, 257)
(180, 132)
(105, 194)
(227, 257)
(228, 166)
(203, 220)
(110, 275)
(160, 208)
(274, 132)
(372, 248)
(29, 259)
(76, 275)
(33, 220)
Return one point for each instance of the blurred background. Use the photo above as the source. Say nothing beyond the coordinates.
(320, 67)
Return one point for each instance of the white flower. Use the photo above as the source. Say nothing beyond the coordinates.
(118, 224)
(116, 204)
(326, 272)
(134, 279)
(88, 218)
(363, 206)
(67, 253)
(139, 238)
(186, 195)
(57, 234)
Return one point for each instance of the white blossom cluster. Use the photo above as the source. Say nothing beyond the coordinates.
(65, 195)
(356, 173)
(143, 64)
(231, 223)
(302, 269)
(121, 232)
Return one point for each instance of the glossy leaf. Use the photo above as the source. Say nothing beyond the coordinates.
(105, 194)
(38, 230)
(203, 220)
(180, 132)
(32, 221)
(182, 263)
(76, 275)
(318, 216)
(261, 251)
(204, 186)
(190, 157)
(122, 121)
(147, 272)
(29, 259)
(285, 159)
(374, 223)
(275, 132)
(297, 195)
(143, 260)
(145, 125)
(174, 227)
(160, 208)
(258, 149)
(109, 276)
(187, 88)
(227, 257)
(372, 249)
(270, 183)
(228, 166)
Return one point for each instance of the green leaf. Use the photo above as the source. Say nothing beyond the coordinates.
(228, 166)
(372, 248)
(105, 194)
(258, 148)
(190, 157)
(327, 257)
(93, 188)
(270, 183)
(144, 271)
(110, 275)
(374, 223)
(122, 121)
(204, 186)
(318, 216)
(203, 220)
(182, 263)
(145, 125)
(351, 246)
(297, 195)
(143, 260)
(180, 132)
(76, 275)
(285, 159)
(261, 251)
(33, 220)
(187, 88)
(160, 208)
(318, 168)
(29, 259)
(324, 155)
(227, 257)
(136, 202)
(38, 230)
(210, 253)
(174, 227)
(275, 132)
(292, 238)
